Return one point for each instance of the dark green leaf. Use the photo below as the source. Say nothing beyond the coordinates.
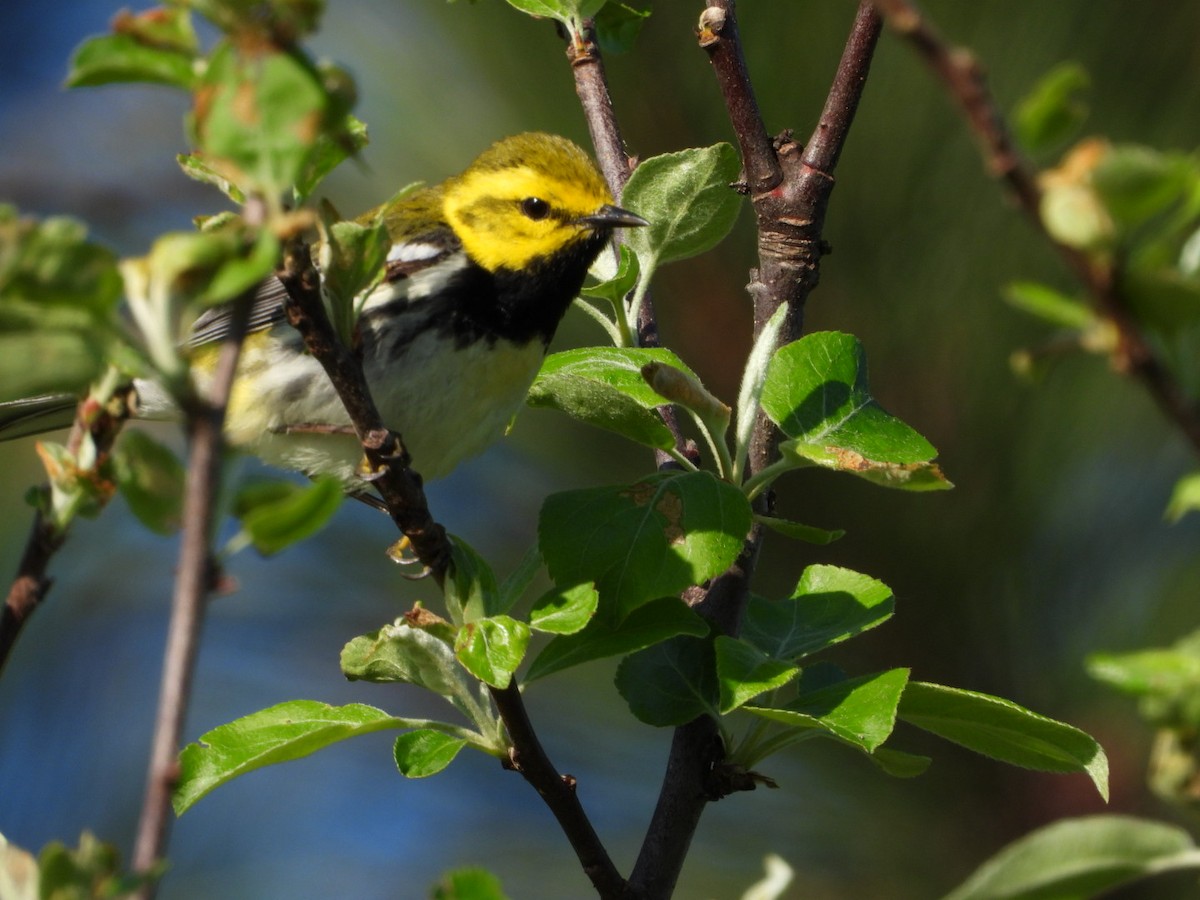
(615, 289)
(471, 591)
(670, 683)
(829, 605)
(150, 478)
(688, 201)
(618, 26)
(492, 648)
(425, 752)
(1137, 183)
(604, 387)
(288, 731)
(858, 711)
(1054, 110)
(1077, 859)
(518, 581)
(279, 514)
(899, 764)
(565, 610)
(646, 625)
(1005, 731)
(330, 150)
(647, 540)
(744, 672)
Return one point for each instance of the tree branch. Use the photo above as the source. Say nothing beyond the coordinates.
(790, 190)
(965, 81)
(205, 418)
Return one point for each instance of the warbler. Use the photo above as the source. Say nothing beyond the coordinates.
(481, 269)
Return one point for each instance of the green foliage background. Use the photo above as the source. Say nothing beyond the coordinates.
(1051, 546)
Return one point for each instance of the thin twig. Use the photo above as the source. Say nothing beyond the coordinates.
(965, 81)
(790, 189)
(101, 424)
(205, 418)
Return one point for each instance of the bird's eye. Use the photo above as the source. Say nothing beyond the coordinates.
(535, 208)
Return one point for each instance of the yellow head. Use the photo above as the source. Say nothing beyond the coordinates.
(527, 198)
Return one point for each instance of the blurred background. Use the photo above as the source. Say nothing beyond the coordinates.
(1052, 546)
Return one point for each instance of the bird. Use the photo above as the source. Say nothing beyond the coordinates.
(481, 269)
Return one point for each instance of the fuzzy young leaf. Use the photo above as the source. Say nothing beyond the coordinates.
(1005, 731)
(425, 752)
(604, 387)
(829, 605)
(565, 610)
(670, 683)
(646, 540)
(150, 478)
(687, 198)
(647, 625)
(1053, 111)
(750, 392)
(277, 514)
(1074, 859)
(857, 711)
(615, 288)
(744, 672)
(284, 732)
(492, 648)
(407, 654)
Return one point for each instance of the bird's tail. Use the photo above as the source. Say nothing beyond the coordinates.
(36, 415)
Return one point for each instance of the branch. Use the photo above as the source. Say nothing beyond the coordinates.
(101, 424)
(790, 189)
(964, 79)
(205, 418)
(403, 495)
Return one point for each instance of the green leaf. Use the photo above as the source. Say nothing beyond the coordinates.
(469, 884)
(353, 257)
(404, 653)
(670, 683)
(284, 732)
(645, 626)
(1050, 305)
(471, 592)
(687, 198)
(1185, 498)
(618, 26)
(58, 299)
(196, 167)
(921, 476)
(1169, 677)
(744, 672)
(816, 391)
(1053, 111)
(899, 764)
(1076, 859)
(799, 532)
(150, 478)
(750, 393)
(565, 610)
(615, 289)
(1005, 731)
(570, 12)
(1136, 183)
(604, 387)
(157, 46)
(518, 581)
(331, 148)
(647, 540)
(492, 648)
(857, 711)
(261, 117)
(425, 752)
(277, 514)
(828, 606)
